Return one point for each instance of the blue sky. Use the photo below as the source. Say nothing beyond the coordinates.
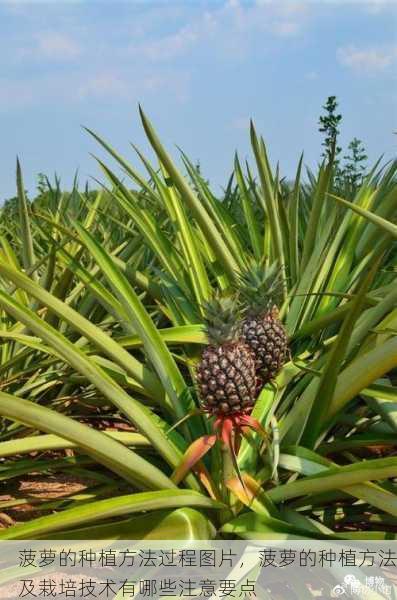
(201, 70)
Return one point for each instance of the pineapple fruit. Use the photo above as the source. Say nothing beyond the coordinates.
(226, 373)
(261, 328)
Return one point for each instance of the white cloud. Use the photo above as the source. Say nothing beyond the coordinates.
(370, 59)
(102, 85)
(228, 30)
(51, 46)
(276, 18)
(375, 7)
(230, 26)
(169, 46)
(108, 85)
(57, 46)
(34, 90)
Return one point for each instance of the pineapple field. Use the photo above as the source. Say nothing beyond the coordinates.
(196, 366)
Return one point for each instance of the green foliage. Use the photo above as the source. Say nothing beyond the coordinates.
(9, 211)
(221, 319)
(347, 175)
(101, 299)
(354, 167)
(42, 184)
(329, 126)
(260, 287)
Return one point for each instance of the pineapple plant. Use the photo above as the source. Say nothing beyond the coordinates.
(226, 373)
(118, 342)
(261, 329)
(227, 387)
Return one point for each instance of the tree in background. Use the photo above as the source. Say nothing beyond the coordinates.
(9, 211)
(42, 184)
(329, 125)
(347, 177)
(354, 167)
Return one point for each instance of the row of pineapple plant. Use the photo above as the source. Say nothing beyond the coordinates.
(105, 299)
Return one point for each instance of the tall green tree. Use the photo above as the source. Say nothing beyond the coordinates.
(354, 167)
(329, 126)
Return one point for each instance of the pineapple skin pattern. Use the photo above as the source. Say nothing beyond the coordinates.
(267, 338)
(228, 373)
(226, 377)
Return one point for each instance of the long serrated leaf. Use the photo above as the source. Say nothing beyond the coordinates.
(50, 441)
(327, 382)
(363, 371)
(106, 509)
(252, 225)
(154, 345)
(180, 524)
(206, 224)
(104, 449)
(383, 224)
(270, 203)
(100, 339)
(336, 478)
(28, 256)
(146, 422)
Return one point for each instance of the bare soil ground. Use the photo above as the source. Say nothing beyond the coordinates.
(37, 488)
(29, 492)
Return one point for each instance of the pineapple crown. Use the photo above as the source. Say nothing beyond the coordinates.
(221, 319)
(259, 287)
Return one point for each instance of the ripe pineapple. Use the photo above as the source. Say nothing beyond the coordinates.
(226, 372)
(261, 329)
